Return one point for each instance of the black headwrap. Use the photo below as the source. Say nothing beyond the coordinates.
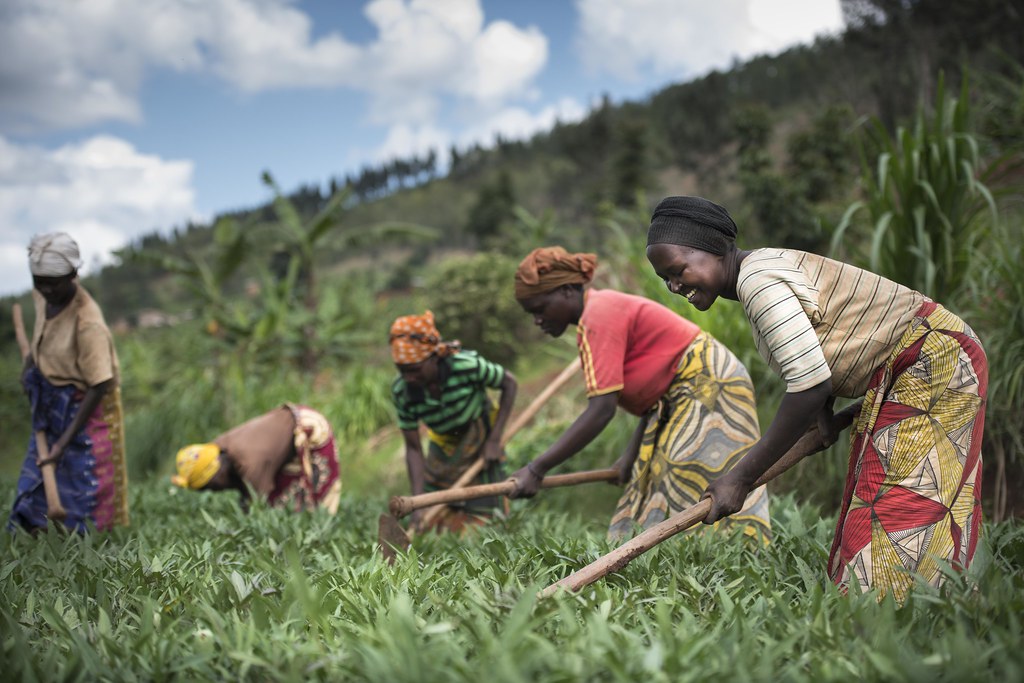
(692, 222)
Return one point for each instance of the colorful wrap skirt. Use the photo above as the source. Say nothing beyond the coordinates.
(312, 478)
(703, 425)
(92, 474)
(451, 454)
(912, 500)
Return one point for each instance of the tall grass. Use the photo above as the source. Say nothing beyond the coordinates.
(924, 199)
(996, 293)
(199, 591)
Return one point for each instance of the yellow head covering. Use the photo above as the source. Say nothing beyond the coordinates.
(414, 338)
(197, 464)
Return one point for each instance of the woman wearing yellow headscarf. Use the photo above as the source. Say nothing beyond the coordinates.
(286, 456)
(445, 388)
(694, 398)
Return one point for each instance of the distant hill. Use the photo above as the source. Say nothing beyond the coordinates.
(762, 126)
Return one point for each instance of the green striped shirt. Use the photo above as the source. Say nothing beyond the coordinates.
(464, 379)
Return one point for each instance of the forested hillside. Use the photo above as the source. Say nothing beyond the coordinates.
(300, 290)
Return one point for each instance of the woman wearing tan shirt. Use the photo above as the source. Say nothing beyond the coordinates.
(912, 501)
(71, 377)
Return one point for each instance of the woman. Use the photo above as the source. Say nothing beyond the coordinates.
(913, 491)
(72, 379)
(286, 456)
(694, 397)
(446, 389)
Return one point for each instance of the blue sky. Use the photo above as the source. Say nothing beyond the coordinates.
(121, 117)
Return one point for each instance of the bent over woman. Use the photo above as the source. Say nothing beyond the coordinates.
(286, 456)
(693, 396)
(72, 379)
(913, 490)
(445, 387)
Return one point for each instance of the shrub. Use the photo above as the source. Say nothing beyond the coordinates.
(472, 301)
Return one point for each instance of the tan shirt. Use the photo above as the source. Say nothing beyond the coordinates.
(816, 319)
(260, 447)
(75, 346)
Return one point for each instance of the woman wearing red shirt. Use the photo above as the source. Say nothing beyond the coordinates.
(694, 398)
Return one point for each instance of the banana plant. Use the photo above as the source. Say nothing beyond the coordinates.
(206, 276)
(302, 240)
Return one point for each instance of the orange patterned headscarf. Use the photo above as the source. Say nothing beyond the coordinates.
(548, 268)
(414, 338)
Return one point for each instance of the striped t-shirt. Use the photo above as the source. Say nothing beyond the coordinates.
(815, 319)
(464, 379)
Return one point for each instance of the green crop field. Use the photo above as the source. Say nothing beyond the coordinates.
(197, 590)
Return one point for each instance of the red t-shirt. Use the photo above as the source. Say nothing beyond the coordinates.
(630, 344)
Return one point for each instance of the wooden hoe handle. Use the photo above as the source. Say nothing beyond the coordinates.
(520, 421)
(54, 509)
(403, 505)
(808, 444)
(19, 332)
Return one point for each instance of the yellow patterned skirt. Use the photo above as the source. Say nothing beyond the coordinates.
(449, 455)
(703, 425)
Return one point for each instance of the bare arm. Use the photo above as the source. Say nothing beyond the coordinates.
(600, 411)
(797, 412)
(492, 448)
(92, 398)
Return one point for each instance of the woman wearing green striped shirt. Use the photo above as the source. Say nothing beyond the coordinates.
(445, 388)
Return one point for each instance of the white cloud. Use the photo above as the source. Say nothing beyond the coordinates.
(503, 60)
(101, 191)
(70, 64)
(430, 48)
(683, 38)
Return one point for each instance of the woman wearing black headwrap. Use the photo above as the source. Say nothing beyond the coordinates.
(829, 329)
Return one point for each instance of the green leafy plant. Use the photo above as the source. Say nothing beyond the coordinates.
(471, 297)
(198, 590)
(303, 326)
(924, 199)
(995, 295)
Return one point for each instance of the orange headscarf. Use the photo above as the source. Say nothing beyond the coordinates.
(548, 268)
(414, 338)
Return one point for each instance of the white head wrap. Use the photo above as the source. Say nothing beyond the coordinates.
(53, 255)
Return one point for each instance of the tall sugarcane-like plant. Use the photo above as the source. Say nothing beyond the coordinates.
(924, 199)
(996, 292)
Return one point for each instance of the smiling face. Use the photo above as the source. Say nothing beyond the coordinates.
(699, 276)
(555, 310)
